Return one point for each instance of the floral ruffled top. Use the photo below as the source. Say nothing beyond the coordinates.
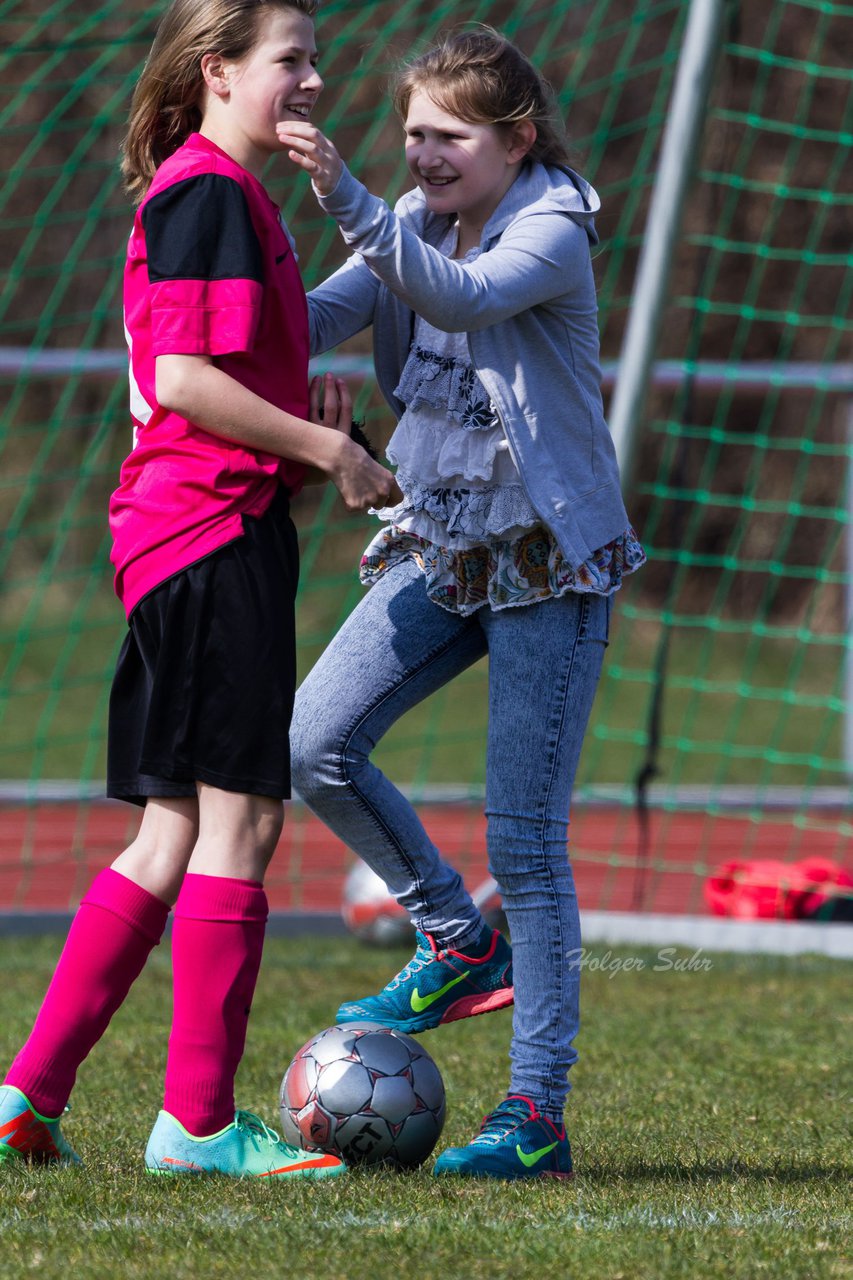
(465, 518)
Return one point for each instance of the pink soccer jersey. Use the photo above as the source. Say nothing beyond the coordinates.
(210, 271)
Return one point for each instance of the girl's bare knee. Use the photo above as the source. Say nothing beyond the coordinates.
(238, 833)
(157, 859)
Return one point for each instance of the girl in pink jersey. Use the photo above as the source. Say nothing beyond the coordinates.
(206, 567)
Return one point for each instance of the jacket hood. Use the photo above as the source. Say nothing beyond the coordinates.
(537, 189)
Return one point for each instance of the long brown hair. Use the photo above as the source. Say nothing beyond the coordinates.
(166, 105)
(481, 78)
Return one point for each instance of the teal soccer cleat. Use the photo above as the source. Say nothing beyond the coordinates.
(27, 1135)
(246, 1148)
(440, 986)
(515, 1141)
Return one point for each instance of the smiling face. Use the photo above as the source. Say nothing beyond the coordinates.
(276, 81)
(461, 168)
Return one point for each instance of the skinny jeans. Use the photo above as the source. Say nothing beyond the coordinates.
(395, 649)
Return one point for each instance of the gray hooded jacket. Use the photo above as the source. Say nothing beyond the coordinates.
(528, 306)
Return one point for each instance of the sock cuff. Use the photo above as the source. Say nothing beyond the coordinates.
(221, 898)
(113, 892)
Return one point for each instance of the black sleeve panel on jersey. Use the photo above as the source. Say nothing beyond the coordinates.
(201, 229)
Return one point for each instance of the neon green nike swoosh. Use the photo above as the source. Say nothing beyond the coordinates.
(419, 1002)
(529, 1158)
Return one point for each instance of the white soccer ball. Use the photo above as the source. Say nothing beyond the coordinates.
(370, 912)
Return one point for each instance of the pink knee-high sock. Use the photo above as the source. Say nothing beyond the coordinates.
(217, 941)
(116, 927)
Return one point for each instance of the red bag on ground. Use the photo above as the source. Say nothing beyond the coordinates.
(764, 889)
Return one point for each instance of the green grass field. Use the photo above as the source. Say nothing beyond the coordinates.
(708, 1122)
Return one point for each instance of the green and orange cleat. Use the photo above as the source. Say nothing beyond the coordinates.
(439, 986)
(25, 1134)
(514, 1141)
(246, 1148)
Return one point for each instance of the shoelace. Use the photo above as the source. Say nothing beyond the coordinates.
(498, 1124)
(422, 957)
(259, 1131)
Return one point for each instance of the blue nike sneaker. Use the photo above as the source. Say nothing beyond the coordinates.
(440, 986)
(515, 1141)
(27, 1135)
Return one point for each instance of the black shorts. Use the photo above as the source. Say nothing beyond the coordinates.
(205, 680)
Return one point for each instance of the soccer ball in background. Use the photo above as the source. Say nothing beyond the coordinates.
(487, 897)
(370, 912)
(368, 1094)
(374, 916)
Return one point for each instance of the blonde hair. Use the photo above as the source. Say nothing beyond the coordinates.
(481, 78)
(166, 105)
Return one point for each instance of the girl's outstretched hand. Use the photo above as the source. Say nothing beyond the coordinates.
(360, 481)
(313, 152)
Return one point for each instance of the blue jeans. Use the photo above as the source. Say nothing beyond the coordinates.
(544, 662)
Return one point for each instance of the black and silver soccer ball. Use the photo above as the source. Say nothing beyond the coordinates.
(368, 1094)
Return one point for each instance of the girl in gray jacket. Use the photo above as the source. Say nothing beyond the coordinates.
(510, 540)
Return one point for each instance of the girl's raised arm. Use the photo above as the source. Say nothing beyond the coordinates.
(540, 256)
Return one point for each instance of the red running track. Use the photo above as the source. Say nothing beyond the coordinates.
(50, 852)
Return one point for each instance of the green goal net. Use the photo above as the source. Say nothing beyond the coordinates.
(725, 701)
